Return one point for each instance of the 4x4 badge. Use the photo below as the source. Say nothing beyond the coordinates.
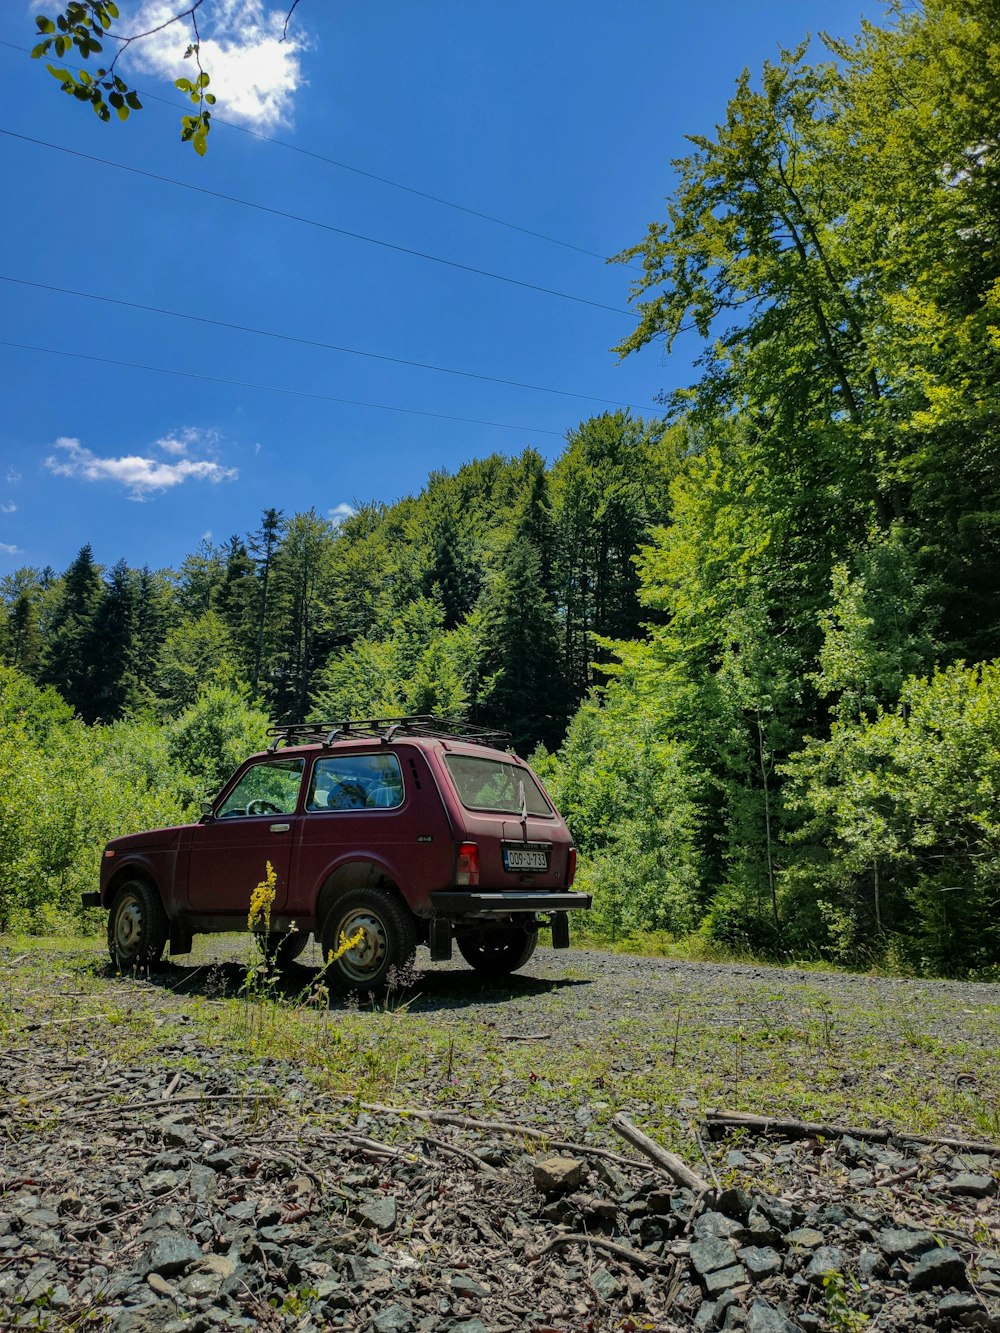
(424, 837)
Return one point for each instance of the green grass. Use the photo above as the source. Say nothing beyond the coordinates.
(918, 1057)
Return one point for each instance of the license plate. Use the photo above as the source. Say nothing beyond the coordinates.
(525, 858)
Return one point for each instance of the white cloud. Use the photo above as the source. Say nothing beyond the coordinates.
(179, 442)
(7, 549)
(8, 509)
(13, 474)
(254, 74)
(339, 512)
(140, 475)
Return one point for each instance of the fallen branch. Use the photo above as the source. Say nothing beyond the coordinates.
(678, 1171)
(804, 1129)
(493, 1127)
(792, 1129)
(476, 1161)
(623, 1252)
(961, 1145)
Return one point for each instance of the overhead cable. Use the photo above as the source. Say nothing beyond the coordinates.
(312, 342)
(315, 222)
(274, 388)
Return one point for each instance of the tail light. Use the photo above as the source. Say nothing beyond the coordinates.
(571, 867)
(467, 866)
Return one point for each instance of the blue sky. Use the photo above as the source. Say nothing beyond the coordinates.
(558, 117)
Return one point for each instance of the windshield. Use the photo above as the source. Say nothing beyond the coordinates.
(492, 784)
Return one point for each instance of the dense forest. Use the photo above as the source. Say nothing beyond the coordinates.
(752, 645)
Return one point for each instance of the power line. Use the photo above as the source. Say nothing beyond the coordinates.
(359, 171)
(314, 222)
(311, 342)
(274, 388)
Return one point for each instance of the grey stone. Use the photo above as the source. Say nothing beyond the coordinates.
(900, 1243)
(711, 1254)
(760, 1262)
(201, 1284)
(826, 1259)
(170, 1254)
(704, 1320)
(940, 1267)
(463, 1285)
(219, 1264)
(203, 1183)
(957, 1305)
(765, 1318)
(160, 1285)
(605, 1283)
(393, 1319)
(162, 1182)
(805, 1238)
(715, 1224)
(972, 1186)
(871, 1265)
(468, 1326)
(379, 1213)
(178, 1136)
(723, 1278)
(555, 1174)
(737, 1159)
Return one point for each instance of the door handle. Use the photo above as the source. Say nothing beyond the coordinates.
(280, 828)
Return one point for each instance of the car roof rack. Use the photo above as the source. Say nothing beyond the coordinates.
(384, 729)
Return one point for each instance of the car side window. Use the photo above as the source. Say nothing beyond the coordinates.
(356, 782)
(265, 789)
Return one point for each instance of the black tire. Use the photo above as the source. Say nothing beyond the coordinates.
(499, 951)
(137, 925)
(282, 950)
(390, 940)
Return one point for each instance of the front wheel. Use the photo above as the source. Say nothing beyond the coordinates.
(388, 940)
(137, 926)
(283, 949)
(499, 951)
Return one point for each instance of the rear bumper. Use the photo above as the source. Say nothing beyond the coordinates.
(462, 902)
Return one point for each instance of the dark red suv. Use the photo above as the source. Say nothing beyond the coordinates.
(404, 831)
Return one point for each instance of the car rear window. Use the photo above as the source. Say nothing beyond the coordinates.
(492, 784)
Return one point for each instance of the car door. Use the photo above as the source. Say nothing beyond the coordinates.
(253, 825)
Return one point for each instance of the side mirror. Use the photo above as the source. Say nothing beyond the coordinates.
(207, 811)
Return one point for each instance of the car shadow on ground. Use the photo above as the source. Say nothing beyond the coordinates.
(429, 991)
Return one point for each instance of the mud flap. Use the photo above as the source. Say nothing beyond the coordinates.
(181, 938)
(440, 939)
(560, 930)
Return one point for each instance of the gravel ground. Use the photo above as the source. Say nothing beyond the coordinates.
(178, 1153)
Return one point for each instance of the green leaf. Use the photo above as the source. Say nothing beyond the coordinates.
(44, 24)
(133, 100)
(185, 85)
(111, 8)
(121, 85)
(203, 80)
(40, 49)
(123, 112)
(63, 75)
(210, 98)
(86, 76)
(200, 143)
(116, 100)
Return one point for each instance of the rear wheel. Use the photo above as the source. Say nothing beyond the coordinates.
(499, 951)
(137, 925)
(388, 940)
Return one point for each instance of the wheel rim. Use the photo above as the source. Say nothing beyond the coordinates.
(128, 926)
(366, 959)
